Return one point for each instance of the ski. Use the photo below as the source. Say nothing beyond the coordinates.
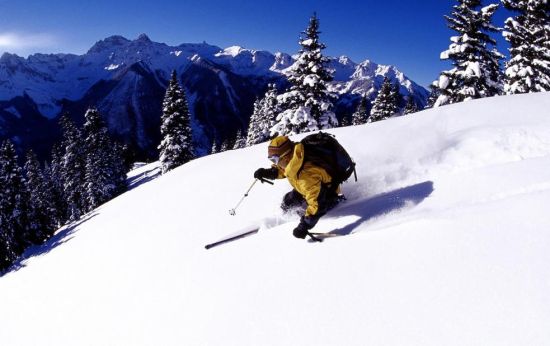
(241, 235)
(320, 236)
(326, 234)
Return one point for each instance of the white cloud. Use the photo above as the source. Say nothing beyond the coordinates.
(16, 41)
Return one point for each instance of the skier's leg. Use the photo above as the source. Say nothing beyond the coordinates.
(328, 199)
(291, 200)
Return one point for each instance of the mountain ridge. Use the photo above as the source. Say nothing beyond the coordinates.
(223, 84)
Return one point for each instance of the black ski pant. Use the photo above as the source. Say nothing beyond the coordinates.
(326, 200)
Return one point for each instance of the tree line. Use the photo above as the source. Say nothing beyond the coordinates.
(86, 170)
(477, 65)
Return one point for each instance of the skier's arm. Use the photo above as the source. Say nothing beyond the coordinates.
(280, 172)
(267, 173)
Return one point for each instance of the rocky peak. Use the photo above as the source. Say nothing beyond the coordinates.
(10, 59)
(143, 38)
(344, 60)
(109, 43)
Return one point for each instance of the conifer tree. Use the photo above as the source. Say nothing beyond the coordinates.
(225, 145)
(54, 180)
(397, 97)
(176, 147)
(128, 156)
(103, 162)
(361, 115)
(307, 105)
(255, 134)
(346, 121)
(434, 95)
(411, 106)
(8, 245)
(214, 147)
(263, 118)
(476, 72)
(42, 212)
(73, 169)
(119, 167)
(240, 140)
(528, 69)
(14, 224)
(385, 104)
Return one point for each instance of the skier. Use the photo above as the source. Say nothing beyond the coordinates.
(312, 185)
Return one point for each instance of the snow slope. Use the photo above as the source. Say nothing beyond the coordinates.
(445, 242)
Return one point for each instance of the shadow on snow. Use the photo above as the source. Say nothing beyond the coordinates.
(382, 204)
(143, 178)
(60, 238)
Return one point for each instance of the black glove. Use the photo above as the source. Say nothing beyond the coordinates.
(306, 223)
(266, 173)
(300, 231)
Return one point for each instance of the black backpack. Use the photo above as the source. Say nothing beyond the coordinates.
(323, 150)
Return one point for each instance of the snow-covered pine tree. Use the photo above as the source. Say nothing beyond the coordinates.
(410, 107)
(8, 244)
(14, 226)
(42, 212)
(434, 95)
(263, 118)
(119, 167)
(345, 121)
(528, 69)
(240, 140)
(270, 106)
(225, 145)
(176, 147)
(254, 134)
(361, 115)
(397, 97)
(385, 103)
(128, 157)
(476, 72)
(307, 105)
(214, 147)
(73, 169)
(101, 171)
(54, 177)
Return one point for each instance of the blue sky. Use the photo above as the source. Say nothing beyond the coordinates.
(407, 34)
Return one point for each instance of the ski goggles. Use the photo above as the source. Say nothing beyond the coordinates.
(275, 159)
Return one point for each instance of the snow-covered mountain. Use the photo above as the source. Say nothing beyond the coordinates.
(126, 80)
(443, 241)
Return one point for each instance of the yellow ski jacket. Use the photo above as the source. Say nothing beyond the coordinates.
(306, 181)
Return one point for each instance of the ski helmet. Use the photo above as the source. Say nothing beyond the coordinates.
(278, 147)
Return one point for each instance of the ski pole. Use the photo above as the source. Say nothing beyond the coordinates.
(233, 211)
